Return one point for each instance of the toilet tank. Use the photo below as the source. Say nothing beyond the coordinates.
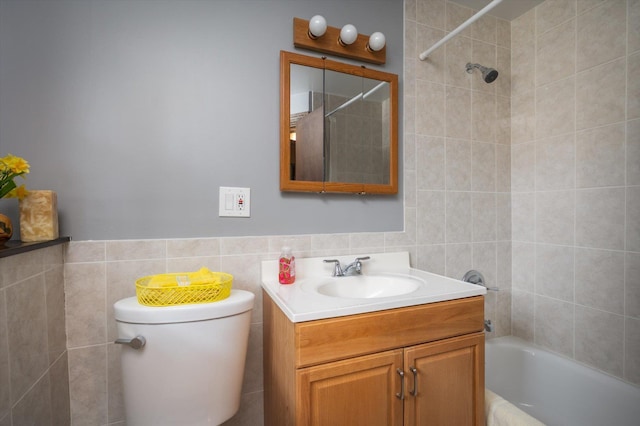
(190, 370)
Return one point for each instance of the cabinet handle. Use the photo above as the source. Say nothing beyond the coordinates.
(414, 392)
(401, 394)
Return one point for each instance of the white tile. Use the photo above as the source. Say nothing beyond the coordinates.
(600, 279)
(555, 271)
(459, 217)
(431, 217)
(555, 217)
(555, 162)
(600, 156)
(600, 95)
(600, 218)
(599, 339)
(549, 313)
(601, 34)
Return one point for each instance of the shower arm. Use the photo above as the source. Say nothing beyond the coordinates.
(462, 26)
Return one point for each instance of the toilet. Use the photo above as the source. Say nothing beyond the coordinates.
(183, 365)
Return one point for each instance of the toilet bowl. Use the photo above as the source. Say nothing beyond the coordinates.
(183, 365)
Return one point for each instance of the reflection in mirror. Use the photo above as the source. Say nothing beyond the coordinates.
(306, 123)
(338, 127)
(356, 129)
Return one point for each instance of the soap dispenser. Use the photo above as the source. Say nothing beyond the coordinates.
(287, 266)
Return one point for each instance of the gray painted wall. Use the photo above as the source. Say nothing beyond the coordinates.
(135, 112)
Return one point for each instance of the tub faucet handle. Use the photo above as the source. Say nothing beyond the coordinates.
(475, 277)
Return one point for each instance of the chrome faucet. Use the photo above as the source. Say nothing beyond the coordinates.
(354, 268)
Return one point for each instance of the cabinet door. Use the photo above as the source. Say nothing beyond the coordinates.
(446, 382)
(357, 391)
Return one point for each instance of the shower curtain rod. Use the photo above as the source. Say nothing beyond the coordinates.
(455, 32)
(355, 98)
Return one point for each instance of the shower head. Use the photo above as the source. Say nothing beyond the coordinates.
(488, 74)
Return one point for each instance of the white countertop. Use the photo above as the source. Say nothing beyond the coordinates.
(300, 304)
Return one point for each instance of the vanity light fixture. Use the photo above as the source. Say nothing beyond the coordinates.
(348, 35)
(376, 42)
(316, 35)
(317, 27)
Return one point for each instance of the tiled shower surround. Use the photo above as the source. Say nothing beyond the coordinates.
(575, 181)
(542, 167)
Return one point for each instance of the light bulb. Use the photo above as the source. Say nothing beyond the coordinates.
(376, 42)
(348, 34)
(317, 26)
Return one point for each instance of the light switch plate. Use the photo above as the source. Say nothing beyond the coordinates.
(234, 202)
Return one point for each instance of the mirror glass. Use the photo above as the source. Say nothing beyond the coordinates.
(338, 127)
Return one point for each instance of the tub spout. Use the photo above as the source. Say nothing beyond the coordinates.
(488, 326)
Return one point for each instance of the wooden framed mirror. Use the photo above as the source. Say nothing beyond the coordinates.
(338, 127)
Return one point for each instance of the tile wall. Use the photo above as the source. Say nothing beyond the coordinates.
(34, 381)
(98, 273)
(457, 160)
(576, 181)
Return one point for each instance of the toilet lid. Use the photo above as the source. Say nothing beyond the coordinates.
(129, 310)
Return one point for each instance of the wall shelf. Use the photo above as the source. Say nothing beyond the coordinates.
(13, 247)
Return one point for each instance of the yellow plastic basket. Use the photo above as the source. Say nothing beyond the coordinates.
(183, 288)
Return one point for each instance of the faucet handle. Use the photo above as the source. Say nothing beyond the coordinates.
(337, 269)
(357, 264)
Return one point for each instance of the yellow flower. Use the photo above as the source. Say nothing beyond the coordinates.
(10, 168)
(15, 164)
(19, 192)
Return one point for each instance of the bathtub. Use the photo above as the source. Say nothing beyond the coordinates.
(555, 389)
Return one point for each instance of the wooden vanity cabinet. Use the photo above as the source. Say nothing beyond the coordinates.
(446, 385)
(353, 370)
(358, 391)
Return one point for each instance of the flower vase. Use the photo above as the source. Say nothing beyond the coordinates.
(6, 229)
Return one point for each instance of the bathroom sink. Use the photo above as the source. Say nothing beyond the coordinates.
(364, 286)
(387, 282)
